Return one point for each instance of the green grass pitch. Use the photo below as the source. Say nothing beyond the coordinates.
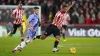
(84, 47)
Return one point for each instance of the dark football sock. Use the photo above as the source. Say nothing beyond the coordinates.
(38, 36)
(56, 44)
(63, 36)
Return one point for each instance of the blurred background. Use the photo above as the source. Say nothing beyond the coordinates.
(85, 15)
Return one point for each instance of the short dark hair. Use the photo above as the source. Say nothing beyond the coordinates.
(36, 7)
(63, 6)
(19, 2)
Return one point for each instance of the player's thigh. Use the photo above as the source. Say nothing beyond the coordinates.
(56, 31)
(33, 34)
(57, 37)
(20, 27)
(29, 33)
(34, 31)
(48, 31)
(14, 28)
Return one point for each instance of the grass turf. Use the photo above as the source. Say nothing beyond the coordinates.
(84, 47)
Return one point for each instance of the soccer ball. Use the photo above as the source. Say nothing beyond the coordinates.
(72, 50)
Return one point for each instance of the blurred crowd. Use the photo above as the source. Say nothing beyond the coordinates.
(83, 12)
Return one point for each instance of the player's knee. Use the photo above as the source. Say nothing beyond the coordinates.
(58, 38)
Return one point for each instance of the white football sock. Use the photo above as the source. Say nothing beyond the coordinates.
(24, 43)
(17, 47)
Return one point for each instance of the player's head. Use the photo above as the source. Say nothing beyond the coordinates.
(36, 10)
(20, 5)
(64, 8)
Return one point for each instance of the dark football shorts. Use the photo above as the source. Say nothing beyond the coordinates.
(15, 26)
(52, 29)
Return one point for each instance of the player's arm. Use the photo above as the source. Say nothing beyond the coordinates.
(70, 6)
(13, 14)
(28, 23)
(68, 18)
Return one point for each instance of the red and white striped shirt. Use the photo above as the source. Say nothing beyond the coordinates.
(17, 13)
(59, 18)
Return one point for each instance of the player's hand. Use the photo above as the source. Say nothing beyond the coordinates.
(58, 26)
(73, 2)
(31, 28)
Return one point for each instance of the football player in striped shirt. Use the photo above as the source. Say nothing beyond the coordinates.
(64, 26)
(17, 23)
(55, 27)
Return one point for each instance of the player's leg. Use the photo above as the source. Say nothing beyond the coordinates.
(8, 34)
(24, 27)
(21, 45)
(46, 33)
(18, 47)
(56, 33)
(30, 37)
(13, 31)
(26, 41)
(63, 31)
(21, 32)
(55, 49)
